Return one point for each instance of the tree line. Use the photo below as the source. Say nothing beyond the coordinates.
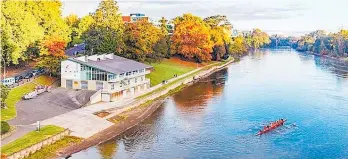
(37, 30)
(332, 44)
(319, 41)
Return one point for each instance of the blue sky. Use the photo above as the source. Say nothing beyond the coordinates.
(288, 17)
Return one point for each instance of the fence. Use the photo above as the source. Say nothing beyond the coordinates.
(33, 148)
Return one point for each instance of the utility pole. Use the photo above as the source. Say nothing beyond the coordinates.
(4, 74)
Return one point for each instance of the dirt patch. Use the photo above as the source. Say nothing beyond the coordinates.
(123, 122)
(102, 114)
(178, 61)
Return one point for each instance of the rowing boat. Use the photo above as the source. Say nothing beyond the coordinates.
(271, 128)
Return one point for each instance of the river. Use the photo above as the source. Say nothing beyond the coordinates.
(219, 116)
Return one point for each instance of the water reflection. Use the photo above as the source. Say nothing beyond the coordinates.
(200, 93)
(336, 67)
(108, 149)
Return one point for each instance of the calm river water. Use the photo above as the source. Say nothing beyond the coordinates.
(219, 116)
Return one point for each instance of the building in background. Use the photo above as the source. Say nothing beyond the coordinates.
(134, 17)
(76, 50)
(113, 76)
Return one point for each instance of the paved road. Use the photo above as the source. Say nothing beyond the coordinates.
(49, 104)
(46, 105)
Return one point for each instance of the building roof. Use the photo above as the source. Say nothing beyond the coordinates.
(126, 18)
(117, 65)
(75, 50)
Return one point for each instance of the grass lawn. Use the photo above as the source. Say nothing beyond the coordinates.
(51, 150)
(31, 138)
(167, 68)
(206, 67)
(16, 94)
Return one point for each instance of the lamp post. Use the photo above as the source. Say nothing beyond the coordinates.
(4, 74)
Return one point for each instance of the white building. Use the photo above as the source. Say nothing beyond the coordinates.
(114, 76)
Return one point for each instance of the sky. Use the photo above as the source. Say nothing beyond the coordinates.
(287, 17)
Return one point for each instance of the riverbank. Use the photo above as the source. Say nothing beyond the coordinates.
(339, 59)
(127, 117)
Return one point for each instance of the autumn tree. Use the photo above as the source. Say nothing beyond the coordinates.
(25, 23)
(73, 23)
(53, 53)
(259, 39)
(305, 43)
(84, 24)
(220, 31)
(19, 29)
(191, 38)
(238, 46)
(105, 33)
(140, 38)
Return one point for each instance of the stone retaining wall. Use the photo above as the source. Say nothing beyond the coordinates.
(32, 149)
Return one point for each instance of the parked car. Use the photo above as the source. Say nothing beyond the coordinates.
(18, 78)
(38, 71)
(35, 72)
(8, 81)
(41, 70)
(28, 76)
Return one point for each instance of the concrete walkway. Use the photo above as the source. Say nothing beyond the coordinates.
(82, 122)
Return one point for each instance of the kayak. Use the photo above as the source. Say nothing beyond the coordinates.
(271, 128)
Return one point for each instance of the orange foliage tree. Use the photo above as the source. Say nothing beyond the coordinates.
(140, 38)
(54, 46)
(191, 38)
(53, 52)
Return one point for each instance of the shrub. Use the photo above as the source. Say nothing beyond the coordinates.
(4, 127)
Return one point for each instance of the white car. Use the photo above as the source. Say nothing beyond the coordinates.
(8, 81)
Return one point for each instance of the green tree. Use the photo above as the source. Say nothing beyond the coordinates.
(20, 28)
(105, 33)
(162, 47)
(4, 93)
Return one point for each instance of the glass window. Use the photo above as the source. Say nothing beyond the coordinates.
(135, 80)
(142, 78)
(112, 86)
(128, 81)
(110, 77)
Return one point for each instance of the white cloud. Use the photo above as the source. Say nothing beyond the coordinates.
(289, 16)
